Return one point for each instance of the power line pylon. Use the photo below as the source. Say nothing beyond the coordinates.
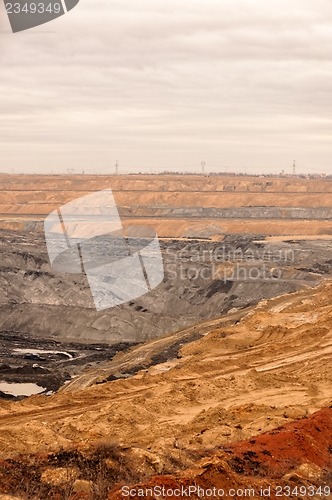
(294, 169)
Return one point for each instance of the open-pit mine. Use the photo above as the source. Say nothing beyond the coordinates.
(219, 377)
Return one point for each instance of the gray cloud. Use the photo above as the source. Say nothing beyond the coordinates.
(167, 85)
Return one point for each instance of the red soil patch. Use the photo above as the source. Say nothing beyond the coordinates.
(295, 443)
(244, 467)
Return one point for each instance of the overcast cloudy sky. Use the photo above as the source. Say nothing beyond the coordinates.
(167, 84)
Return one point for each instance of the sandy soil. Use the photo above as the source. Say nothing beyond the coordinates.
(250, 372)
(292, 461)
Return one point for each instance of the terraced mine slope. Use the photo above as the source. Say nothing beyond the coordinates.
(193, 215)
(202, 280)
(178, 205)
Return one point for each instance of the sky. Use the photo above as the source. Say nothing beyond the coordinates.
(243, 85)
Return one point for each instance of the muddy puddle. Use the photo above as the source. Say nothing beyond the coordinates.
(23, 389)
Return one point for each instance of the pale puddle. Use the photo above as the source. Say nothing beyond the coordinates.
(24, 389)
(41, 351)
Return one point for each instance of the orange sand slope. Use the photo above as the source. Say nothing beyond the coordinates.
(251, 371)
